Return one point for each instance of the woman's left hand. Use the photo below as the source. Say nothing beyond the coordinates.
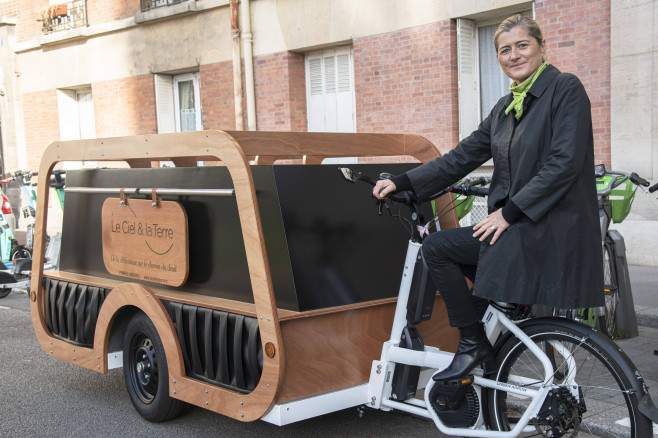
(494, 224)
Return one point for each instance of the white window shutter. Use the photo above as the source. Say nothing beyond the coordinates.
(468, 97)
(345, 90)
(69, 121)
(330, 90)
(164, 103)
(86, 115)
(330, 97)
(315, 92)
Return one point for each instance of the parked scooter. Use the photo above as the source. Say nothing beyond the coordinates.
(17, 274)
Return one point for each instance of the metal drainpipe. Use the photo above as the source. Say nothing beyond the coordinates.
(247, 39)
(237, 65)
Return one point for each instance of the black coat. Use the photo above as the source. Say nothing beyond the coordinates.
(544, 162)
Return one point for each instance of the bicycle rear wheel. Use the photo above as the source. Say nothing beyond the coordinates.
(598, 400)
(606, 321)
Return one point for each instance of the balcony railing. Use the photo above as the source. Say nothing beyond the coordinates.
(64, 16)
(147, 5)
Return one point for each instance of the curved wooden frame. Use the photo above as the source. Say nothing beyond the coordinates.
(233, 150)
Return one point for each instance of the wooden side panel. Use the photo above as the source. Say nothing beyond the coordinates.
(216, 145)
(333, 351)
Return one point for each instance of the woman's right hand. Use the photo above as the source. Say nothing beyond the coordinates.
(383, 188)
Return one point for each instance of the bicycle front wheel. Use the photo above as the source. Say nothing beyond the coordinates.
(606, 321)
(590, 391)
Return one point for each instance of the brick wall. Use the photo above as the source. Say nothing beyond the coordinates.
(41, 124)
(217, 101)
(125, 106)
(577, 34)
(27, 12)
(280, 92)
(406, 82)
(8, 8)
(121, 107)
(106, 11)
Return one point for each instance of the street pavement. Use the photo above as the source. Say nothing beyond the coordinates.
(44, 397)
(644, 283)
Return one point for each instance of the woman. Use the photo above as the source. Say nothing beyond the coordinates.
(540, 242)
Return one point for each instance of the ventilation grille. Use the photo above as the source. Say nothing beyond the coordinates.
(218, 347)
(72, 310)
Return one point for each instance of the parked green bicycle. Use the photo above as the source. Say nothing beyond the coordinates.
(616, 192)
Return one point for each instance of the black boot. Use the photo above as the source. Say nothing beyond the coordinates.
(474, 348)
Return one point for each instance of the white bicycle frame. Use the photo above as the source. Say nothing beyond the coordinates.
(381, 375)
(377, 393)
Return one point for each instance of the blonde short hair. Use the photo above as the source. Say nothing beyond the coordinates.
(519, 20)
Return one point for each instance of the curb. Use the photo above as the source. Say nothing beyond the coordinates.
(647, 320)
(647, 317)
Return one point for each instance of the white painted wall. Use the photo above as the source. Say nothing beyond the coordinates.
(634, 118)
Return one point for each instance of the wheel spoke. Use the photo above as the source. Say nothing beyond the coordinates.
(591, 393)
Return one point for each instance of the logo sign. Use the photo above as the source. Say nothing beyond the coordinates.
(144, 242)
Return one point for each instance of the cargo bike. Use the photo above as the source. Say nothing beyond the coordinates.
(256, 291)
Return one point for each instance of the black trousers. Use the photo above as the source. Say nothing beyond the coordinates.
(451, 255)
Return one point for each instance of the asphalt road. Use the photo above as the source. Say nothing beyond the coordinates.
(44, 397)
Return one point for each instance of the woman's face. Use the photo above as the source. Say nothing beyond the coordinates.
(519, 54)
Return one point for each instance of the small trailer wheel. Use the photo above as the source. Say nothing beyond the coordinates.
(6, 278)
(146, 373)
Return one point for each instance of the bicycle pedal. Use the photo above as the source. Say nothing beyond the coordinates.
(455, 401)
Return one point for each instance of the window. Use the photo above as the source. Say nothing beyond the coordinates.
(147, 5)
(481, 80)
(330, 90)
(493, 82)
(178, 103)
(76, 114)
(76, 118)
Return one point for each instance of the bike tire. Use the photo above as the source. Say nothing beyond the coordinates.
(4, 291)
(605, 390)
(21, 253)
(606, 320)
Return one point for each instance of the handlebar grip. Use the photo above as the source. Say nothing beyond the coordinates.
(478, 191)
(653, 188)
(481, 181)
(637, 179)
(471, 190)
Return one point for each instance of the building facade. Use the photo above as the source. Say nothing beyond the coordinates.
(89, 68)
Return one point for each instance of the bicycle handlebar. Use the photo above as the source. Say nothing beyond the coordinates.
(354, 176)
(653, 188)
(620, 178)
(467, 187)
(471, 190)
(638, 180)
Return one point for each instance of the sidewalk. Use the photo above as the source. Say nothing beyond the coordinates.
(644, 283)
(643, 349)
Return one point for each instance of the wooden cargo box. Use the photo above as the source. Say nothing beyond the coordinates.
(281, 287)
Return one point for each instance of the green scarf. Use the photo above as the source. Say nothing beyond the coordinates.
(519, 92)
